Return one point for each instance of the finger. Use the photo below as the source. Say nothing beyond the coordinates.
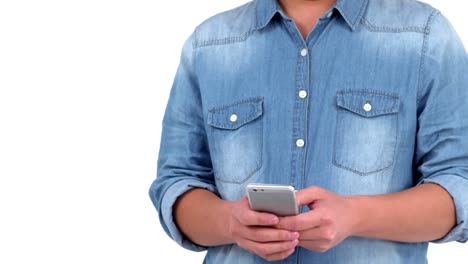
(321, 233)
(316, 245)
(269, 248)
(252, 218)
(249, 217)
(300, 222)
(309, 195)
(280, 255)
(265, 234)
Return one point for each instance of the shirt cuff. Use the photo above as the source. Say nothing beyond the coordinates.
(166, 217)
(457, 187)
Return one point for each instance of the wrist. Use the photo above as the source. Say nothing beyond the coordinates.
(224, 223)
(360, 213)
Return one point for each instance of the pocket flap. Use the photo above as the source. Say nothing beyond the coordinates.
(236, 115)
(368, 103)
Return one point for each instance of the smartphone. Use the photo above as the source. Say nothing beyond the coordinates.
(272, 198)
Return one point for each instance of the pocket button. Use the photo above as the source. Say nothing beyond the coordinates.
(233, 118)
(367, 107)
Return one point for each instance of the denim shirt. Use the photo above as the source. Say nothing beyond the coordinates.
(374, 101)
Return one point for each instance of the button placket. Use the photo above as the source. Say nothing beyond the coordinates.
(302, 95)
(302, 99)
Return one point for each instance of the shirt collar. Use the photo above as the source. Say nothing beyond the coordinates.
(265, 10)
(351, 11)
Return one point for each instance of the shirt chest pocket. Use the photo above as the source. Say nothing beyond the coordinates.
(366, 131)
(235, 134)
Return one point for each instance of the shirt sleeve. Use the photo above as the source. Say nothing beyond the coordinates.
(184, 160)
(442, 137)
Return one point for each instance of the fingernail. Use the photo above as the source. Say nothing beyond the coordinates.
(274, 220)
(293, 235)
(295, 242)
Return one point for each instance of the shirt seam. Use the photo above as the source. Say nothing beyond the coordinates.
(194, 47)
(224, 41)
(427, 32)
(372, 92)
(374, 28)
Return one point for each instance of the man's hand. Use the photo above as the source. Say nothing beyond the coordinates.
(329, 221)
(254, 232)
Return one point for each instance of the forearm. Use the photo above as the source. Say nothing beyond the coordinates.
(423, 213)
(202, 217)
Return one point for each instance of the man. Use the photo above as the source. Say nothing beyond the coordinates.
(360, 105)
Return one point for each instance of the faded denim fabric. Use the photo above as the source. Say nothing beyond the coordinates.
(374, 101)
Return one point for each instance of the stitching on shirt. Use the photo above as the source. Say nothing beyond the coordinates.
(194, 63)
(255, 14)
(235, 126)
(259, 25)
(388, 110)
(249, 100)
(346, 18)
(387, 94)
(374, 28)
(361, 13)
(194, 75)
(375, 113)
(224, 41)
(427, 32)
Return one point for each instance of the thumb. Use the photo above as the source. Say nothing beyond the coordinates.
(309, 195)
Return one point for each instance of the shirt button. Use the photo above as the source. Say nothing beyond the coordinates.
(303, 94)
(233, 118)
(304, 52)
(367, 107)
(330, 14)
(300, 143)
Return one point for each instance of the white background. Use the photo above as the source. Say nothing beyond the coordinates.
(83, 87)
